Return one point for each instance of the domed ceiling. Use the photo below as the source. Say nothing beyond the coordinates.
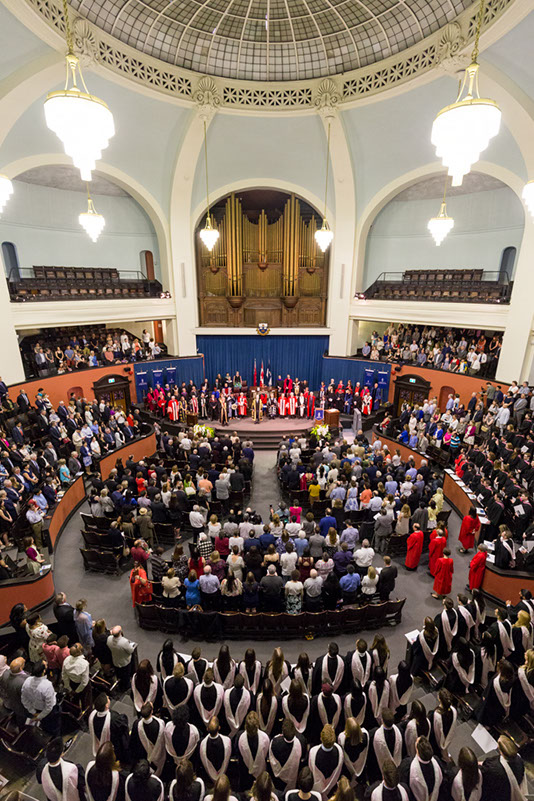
(273, 40)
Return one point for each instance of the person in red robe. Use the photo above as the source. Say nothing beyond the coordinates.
(444, 533)
(288, 385)
(150, 400)
(435, 551)
(310, 403)
(470, 527)
(477, 566)
(414, 548)
(292, 405)
(282, 406)
(443, 577)
(140, 586)
(242, 404)
(173, 410)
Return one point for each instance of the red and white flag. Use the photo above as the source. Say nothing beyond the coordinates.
(261, 374)
(255, 375)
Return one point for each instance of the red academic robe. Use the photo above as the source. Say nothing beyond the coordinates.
(414, 549)
(141, 593)
(469, 528)
(443, 578)
(311, 405)
(435, 552)
(292, 405)
(242, 404)
(288, 385)
(151, 402)
(434, 534)
(477, 567)
(282, 406)
(367, 403)
(173, 410)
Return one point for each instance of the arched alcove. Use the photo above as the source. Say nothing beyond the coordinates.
(266, 266)
(42, 221)
(488, 217)
(11, 261)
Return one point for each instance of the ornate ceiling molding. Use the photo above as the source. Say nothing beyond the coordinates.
(446, 50)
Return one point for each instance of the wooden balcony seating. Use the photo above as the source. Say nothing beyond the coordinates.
(64, 283)
(460, 286)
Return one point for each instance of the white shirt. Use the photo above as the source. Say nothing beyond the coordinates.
(121, 650)
(364, 557)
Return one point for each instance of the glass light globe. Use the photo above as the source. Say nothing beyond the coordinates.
(528, 196)
(6, 190)
(324, 236)
(209, 235)
(463, 130)
(92, 221)
(82, 121)
(440, 226)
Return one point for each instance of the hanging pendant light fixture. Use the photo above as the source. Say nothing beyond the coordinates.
(82, 121)
(6, 190)
(324, 235)
(463, 130)
(91, 220)
(528, 196)
(440, 226)
(208, 234)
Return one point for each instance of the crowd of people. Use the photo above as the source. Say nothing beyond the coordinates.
(345, 726)
(230, 398)
(59, 351)
(42, 450)
(491, 448)
(458, 350)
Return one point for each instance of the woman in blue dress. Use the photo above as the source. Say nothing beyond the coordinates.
(192, 589)
(351, 504)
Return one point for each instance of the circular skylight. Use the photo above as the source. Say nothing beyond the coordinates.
(270, 40)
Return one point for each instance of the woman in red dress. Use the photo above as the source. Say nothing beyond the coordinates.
(435, 550)
(414, 549)
(470, 527)
(477, 567)
(443, 578)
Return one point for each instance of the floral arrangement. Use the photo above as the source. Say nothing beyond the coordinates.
(321, 431)
(203, 431)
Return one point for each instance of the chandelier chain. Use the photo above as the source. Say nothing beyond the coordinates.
(206, 161)
(327, 170)
(474, 57)
(68, 32)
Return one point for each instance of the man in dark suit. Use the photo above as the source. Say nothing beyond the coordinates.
(64, 614)
(3, 389)
(386, 580)
(23, 402)
(17, 434)
(237, 481)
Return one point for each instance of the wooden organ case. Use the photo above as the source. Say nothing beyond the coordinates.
(263, 270)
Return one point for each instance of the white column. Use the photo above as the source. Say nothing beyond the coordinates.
(342, 247)
(11, 368)
(516, 354)
(182, 225)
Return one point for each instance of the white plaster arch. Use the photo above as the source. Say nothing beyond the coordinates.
(401, 182)
(262, 183)
(147, 202)
(26, 85)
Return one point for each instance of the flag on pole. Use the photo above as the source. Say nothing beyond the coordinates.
(261, 374)
(255, 375)
(268, 375)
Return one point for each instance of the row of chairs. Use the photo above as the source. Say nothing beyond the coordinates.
(99, 561)
(83, 274)
(269, 625)
(438, 276)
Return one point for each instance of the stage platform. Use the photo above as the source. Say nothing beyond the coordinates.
(267, 434)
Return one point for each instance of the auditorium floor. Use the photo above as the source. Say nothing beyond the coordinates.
(109, 596)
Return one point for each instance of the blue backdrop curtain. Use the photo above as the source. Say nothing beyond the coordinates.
(357, 370)
(300, 356)
(167, 371)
